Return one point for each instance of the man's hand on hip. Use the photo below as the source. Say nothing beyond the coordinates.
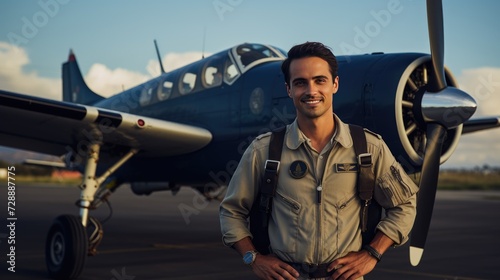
(270, 267)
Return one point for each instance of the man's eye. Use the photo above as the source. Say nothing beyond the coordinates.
(299, 83)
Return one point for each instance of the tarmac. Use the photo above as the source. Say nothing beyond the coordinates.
(162, 236)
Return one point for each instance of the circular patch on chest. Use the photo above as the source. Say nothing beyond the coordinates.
(298, 169)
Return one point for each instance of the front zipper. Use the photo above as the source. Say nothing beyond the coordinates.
(320, 212)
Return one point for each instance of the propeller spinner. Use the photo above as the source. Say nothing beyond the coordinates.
(441, 108)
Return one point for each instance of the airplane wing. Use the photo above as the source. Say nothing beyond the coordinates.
(56, 127)
(474, 125)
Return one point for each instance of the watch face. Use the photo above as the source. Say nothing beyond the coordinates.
(248, 258)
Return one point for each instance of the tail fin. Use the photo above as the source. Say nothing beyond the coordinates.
(74, 87)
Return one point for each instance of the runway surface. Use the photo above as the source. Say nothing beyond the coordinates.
(162, 236)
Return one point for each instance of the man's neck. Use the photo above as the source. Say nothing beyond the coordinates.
(318, 130)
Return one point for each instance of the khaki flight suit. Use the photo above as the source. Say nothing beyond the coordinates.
(302, 230)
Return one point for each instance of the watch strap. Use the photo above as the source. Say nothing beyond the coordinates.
(373, 252)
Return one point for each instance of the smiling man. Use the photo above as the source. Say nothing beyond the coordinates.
(314, 226)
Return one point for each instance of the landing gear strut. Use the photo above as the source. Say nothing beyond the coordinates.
(72, 238)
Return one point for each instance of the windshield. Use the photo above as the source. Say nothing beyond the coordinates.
(252, 54)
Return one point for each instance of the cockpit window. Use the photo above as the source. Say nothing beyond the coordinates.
(147, 93)
(165, 89)
(187, 82)
(248, 53)
(213, 77)
(230, 71)
(212, 73)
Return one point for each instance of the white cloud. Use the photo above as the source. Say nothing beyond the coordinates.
(13, 78)
(483, 147)
(484, 85)
(101, 79)
(173, 61)
(106, 82)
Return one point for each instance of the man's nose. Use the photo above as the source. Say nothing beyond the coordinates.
(312, 87)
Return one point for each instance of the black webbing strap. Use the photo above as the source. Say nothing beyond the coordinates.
(271, 170)
(371, 211)
(261, 208)
(366, 178)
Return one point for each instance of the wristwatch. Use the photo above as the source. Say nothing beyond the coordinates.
(249, 257)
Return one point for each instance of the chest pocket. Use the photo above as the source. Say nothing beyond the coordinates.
(290, 203)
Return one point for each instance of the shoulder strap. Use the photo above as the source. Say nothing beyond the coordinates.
(261, 209)
(271, 169)
(276, 143)
(371, 211)
(366, 178)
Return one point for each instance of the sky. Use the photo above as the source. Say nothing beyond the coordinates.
(113, 42)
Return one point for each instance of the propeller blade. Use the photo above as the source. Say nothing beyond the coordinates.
(436, 40)
(439, 104)
(427, 193)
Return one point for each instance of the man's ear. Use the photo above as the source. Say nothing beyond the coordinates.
(288, 90)
(336, 84)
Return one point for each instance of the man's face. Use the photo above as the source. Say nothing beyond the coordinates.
(312, 87)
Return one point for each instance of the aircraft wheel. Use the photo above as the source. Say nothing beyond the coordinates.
(66, 247)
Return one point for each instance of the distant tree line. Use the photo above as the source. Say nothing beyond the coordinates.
(477, 169)
(27, 170)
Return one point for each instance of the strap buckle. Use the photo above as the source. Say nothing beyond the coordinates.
(272, 165)
(365, 160)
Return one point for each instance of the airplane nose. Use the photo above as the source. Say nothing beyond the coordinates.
(450, 107)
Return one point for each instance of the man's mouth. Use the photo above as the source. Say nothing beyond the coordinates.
(312, 102)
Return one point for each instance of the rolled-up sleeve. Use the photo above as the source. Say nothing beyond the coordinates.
(236, 205)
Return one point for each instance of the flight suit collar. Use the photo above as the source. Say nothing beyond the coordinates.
(343, 133)
(295, 137)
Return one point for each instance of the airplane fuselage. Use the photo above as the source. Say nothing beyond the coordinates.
(256, 102)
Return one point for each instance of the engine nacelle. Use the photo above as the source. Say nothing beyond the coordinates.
(383, 101)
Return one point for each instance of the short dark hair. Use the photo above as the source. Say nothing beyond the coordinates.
(309, 49)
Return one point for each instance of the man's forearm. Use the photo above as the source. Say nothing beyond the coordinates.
(381, 242)
(244, 245)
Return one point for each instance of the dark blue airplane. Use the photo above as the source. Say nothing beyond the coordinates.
(189, 127)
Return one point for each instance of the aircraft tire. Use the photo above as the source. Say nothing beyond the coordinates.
(66, 248)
